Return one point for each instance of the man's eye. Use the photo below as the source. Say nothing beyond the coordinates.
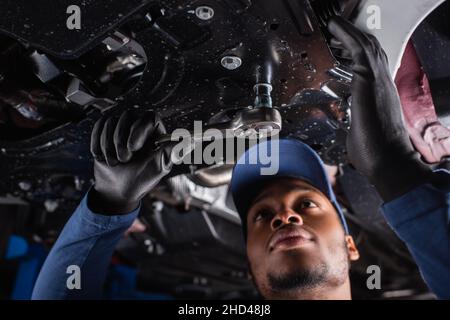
(263, 215)
(307, 204)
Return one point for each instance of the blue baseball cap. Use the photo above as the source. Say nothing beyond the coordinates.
(274, 159)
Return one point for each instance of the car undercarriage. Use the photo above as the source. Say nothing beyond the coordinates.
(202, 61)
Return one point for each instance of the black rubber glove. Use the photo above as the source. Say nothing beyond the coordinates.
(378, 144)
(127, 163)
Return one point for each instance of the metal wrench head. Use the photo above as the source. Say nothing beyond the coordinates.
(258, 122)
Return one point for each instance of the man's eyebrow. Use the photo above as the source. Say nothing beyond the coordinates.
(266, 193)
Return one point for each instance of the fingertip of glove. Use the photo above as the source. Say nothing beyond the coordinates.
(334, 23)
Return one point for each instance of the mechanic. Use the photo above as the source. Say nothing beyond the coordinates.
(298, 243)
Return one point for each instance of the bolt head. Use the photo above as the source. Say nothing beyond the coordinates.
(204, 13)
(231, 62)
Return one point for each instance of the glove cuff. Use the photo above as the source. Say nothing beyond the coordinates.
(398, 178)
(102, 204)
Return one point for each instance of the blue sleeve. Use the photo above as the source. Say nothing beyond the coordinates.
(87, 241)
(421, 218)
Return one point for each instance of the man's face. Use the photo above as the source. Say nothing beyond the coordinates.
(296, 243)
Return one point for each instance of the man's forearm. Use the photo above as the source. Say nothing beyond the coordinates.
(421, 218)
(86, 242)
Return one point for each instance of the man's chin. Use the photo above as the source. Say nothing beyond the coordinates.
(299, 278)
(296, 268)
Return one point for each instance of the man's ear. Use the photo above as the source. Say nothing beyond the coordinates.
(353, 253)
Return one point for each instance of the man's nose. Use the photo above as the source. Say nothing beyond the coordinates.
(285, 217)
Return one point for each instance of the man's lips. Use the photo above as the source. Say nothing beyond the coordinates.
(289, 237)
